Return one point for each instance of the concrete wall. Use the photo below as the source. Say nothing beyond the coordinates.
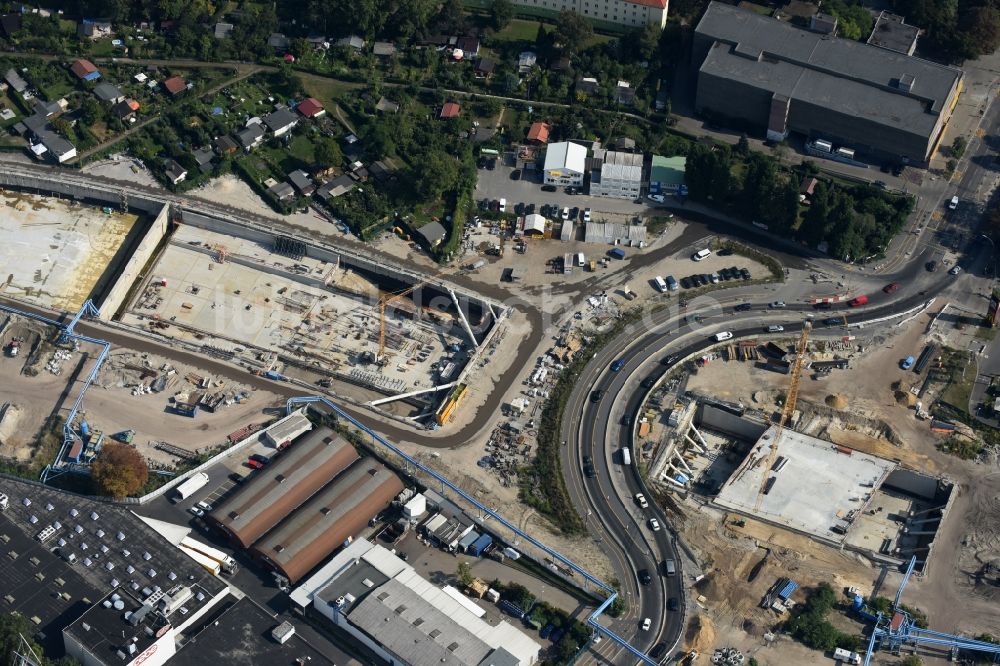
(131, 271)
(915, 483)
(721, 420)
(52, 185)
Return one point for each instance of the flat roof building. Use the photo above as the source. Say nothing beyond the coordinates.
(757, 72)
(666, 174)
(892, 32)
(628, 13)
(386, 605)
(286, 483)
(565, 164)
(617, 175)
(335, 514)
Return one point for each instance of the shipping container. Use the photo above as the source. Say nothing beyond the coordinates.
(823, 145)
(846, 153)
(479, 545)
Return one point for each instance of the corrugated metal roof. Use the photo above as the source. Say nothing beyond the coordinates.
(288, 428)
(292, 478)
(337, 512)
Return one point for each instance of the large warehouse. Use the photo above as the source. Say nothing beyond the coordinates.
(293, 477)
(336, 514)
(765, 73)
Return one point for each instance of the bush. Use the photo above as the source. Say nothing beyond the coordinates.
(810, 626)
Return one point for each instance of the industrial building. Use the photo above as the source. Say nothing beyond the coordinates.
(615, 174)
(666, 174)
(65, 553)
(565, 164)
(764, 74)
(330, 519)
(285, 484)
(383, 603)
(628, 13)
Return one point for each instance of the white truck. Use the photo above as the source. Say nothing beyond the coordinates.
(192, 485)
(626, 456)
(227, 563)
(846, 656)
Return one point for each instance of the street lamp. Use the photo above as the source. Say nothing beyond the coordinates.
(993, 254)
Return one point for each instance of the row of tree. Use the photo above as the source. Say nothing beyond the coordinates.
(954, 30)
(854, 222)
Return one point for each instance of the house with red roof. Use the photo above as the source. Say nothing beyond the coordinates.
(450, 110)
(310, 108)
(175, 85)
(84, 70)
(539, 132)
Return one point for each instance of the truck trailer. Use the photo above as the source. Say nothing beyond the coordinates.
(227, 563)
(192, 485)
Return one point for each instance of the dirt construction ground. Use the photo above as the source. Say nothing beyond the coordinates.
(962, 588)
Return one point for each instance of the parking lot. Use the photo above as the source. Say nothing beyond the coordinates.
(497, 184)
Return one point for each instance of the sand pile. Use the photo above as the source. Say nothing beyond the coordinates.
(700, 635)
(837, 401)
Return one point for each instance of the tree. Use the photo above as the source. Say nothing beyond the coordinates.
(452, 16)
(647, 41)
(464, 574)
(853, 20)
(119, 470)
(958, 147)
(327, 153)
(912, 660)
(14, 627)
(572, 30)
(432, 175)
(742, 146)
(501, 14)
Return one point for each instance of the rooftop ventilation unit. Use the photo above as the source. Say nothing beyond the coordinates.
(49, 507)
(100, 534)
(93, 515)
(33, 519)
(905, 82)
(26, 501)
(121, 536)
(73, 512)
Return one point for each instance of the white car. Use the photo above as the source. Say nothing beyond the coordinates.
(654, 524)
(646, 624)
(955, 270)
(196, 511)
(586, 215)
(774, 328)
(640, 499)
(953, 204)
(723, 335)
(658, 198)
(777, 305)
(204, 506)
(503, 205)
(565, 213)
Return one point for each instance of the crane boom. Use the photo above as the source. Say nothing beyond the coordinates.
(786, 410)
(389, 298)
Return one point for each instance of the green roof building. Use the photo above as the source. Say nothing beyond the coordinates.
(667, 174)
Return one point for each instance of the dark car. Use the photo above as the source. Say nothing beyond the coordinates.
(627, 420)
(833, 321)
(491, 165)
(557, 635)
(686, 282)
(519, 209)
(644, 577)
(515, 174)
(530, 209)
(745, 274)
(931, 266)
(824, 305)
(588, 467)
(546, 630)
(891, 287)
(673, 605)
(263, 460)
(724, 252)
(574, 213)
(648, 382)
(548, 188)
(595, 396)
(669, 360)
(743, 307)
(658, 651)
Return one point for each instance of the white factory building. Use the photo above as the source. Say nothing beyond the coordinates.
(615, 174)
(386, 605)
(565, 164)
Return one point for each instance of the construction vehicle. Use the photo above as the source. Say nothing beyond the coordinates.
(767, 480)
(14, 347)
(125, 436)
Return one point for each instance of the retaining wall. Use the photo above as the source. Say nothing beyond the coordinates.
(133, 268)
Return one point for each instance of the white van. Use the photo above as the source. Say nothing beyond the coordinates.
(661, 284)
(701, 254)
(723, 335)
(953, 204)
(580, 259)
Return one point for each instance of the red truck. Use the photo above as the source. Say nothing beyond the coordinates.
(859, 301)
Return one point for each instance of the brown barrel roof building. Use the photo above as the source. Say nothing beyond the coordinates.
(338, 512)
(286, 483)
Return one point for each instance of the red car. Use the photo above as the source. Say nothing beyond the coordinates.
(891, 287)
(255, 464)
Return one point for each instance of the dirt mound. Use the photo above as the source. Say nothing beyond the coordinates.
(10, 415)
(905, 398)
(700, 635)
(837, 401)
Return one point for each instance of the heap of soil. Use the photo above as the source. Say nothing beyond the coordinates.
(905, 398)
(837, 401)
(700, 635)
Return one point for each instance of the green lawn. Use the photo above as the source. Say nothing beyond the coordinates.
(327, 91)
(102, 48)
(519, 30)
(301, 149)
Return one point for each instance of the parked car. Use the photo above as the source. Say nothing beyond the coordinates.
(548, 188)
(196, 511)
(204, 506)
(657, 198)
(515, 174)
(955, 270)
(586, 215)
(931, 266)
(546, 630)
(565, 213)
(254, 464)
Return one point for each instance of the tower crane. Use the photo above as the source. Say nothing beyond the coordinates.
(390, 297)
(786, 411)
